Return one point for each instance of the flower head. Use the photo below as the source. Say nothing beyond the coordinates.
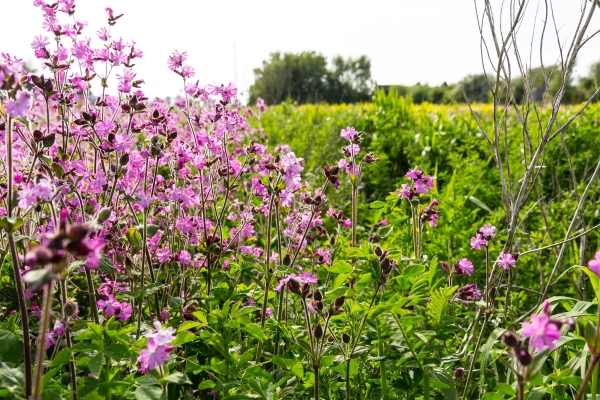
(542, 331)
(594, 265)
(465, 266)
(162, 336)
(506, 261)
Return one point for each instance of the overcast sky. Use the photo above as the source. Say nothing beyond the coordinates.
(408, 41)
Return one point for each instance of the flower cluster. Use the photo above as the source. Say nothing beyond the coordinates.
(157, 349)
(420, 184)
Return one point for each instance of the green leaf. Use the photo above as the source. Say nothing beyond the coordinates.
(135, 239)
(49, 140)
(106, 265)
(377, 204)
(58, 170)
(480, 203)
(492, 396)
(117, 351)
(255, 331)
(11, 347)
(187, 325)
(341, 267)
(63, 357)
(206, 384)
(177, 378)
(95, 364)
(436, 384)
(505, 388)
(439, 300)
(11, 224)
(13, 379)
(146, 392)
(183, 338)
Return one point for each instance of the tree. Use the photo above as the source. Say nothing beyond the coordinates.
(305, 78)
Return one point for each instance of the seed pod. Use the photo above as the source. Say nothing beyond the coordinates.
(345, 338)
(318, 331)
(339, 301)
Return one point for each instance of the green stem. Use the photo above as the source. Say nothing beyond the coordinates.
(41, 341)
(141, 300)
(354, 212)
(588, 375)
(425, 384)
(316, 371)
(347, 378)
(72, 370)
(15, 261)
(475, 353)
(382, 366)
(263, 317)
(92, 296)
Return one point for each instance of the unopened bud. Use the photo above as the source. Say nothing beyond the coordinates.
(339, 301)
(70, 308)
(103, 214)
(378, 251)
(287, 260)
(318, 295)
(509, 339)
(78, 232)
(458, 372)
(318, 332)
(345, 338)
(524, 357)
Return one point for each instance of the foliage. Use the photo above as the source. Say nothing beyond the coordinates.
(306, 78)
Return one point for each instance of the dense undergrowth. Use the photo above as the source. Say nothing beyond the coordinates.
(197, 249)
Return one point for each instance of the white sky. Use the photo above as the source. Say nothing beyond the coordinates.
(408, 41)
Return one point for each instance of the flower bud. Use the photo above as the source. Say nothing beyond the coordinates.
(103, 214)
(294, 286)
(524, 357)
(318, 295)
(78, 232)
(378, 251)
(339, 301)
(318, 331)
(458, 372)
(509, 339)
(70, 308)
(345, 338)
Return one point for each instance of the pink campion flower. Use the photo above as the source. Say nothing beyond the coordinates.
(109, 306)
(188, 71)
(465, 266)
(284, 281)
(103, 34)
(348, 133)
(45, 189)
(27, 196)
(125, 312)
(404, 192)
(414, 173)
(478, 241)
(488, 231)
(176, 60)
(19, 106)
(104, 127)
(330, 212)
(506, 261)
(163, 255)
(542, 331)
(184, 257)
(269, 312)
(291, 169)
(162, 336)
(594, 265)
(39, 42)
(145, 200)
(49, 340)
(307, 277)
(347, 223)
(190, 88)
(95, 245)
(153, 356)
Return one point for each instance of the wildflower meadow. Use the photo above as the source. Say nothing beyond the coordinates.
(199, 248)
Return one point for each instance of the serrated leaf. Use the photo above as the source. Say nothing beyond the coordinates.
(146, 392)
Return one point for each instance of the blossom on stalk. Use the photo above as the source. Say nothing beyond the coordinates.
(542, 331)
(465, 266)
(153, 356)
(162, 336)
(507, 260)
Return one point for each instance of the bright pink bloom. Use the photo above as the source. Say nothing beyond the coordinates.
(153, 356)
(506, 261)
(40, 42)
(19, 106)
(162, 336)
(307, 277)
(465, 266)
(477, 242)
(348, 133)
(125, 312)
(109, 306)
(542, 331)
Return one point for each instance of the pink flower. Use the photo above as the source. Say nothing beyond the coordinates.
(307, 277)
(19, 106)
(27, 196)
(188, 71)
(291, 169)
(506, 261)
(284, 281)
(465, 266)
(347, 223)
(125, 312)
(162, 336)
(40, 42)
(153, 356)
(594, 265)
(163, 255)
(488, 231)
(348, 133)
(104, 127)
(109, 306)
(176, 59)
(542, 331)
(477, 242)
(184, 257)
(414, 173)
(404, 192)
